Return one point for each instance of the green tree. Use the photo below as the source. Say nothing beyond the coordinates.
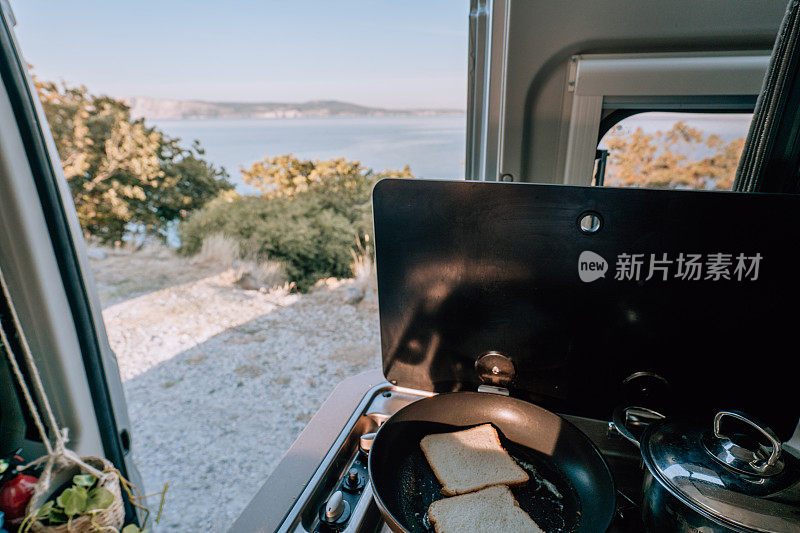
(663, 159)
(312, 215)
(343, 186)
(286, 176)
(119, 170)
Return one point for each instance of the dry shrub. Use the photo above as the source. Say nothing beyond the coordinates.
(218, 249)
(157, 251)
(222, 250)
(363, 266)
(268, 273)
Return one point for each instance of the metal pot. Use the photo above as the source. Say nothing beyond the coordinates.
(732, 476)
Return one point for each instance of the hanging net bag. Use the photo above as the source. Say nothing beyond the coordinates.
(73, 494)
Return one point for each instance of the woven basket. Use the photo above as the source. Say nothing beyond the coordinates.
(112, 516)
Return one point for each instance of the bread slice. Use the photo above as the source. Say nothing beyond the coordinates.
(493, 509)
(469, 460)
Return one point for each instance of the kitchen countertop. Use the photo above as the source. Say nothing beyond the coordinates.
(267, 509)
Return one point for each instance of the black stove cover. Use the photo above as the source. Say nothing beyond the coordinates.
(684, 300)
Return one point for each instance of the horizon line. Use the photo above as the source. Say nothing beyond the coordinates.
(275, 102)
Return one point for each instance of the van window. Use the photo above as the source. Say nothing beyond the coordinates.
(662, 150)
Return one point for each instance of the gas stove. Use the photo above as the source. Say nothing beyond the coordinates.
(339, 497)
(471, 269)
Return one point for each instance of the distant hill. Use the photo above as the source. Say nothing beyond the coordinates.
(164, 109)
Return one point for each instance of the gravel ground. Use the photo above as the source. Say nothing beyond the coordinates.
(220, 381)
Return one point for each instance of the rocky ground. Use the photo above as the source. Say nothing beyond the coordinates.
(220, 380)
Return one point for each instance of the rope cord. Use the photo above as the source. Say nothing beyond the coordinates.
(25, 392)
(57, 453)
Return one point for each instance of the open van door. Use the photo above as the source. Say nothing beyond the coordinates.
(45, 266)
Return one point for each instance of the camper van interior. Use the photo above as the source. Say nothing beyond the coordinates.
(630, 340)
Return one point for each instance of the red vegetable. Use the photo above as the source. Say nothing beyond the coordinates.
(15, 495)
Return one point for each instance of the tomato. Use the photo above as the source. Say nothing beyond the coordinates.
(15, 495)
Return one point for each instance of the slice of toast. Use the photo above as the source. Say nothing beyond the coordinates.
(469, 460)
(493, 509)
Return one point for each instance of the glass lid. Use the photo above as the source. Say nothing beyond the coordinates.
(733, 471)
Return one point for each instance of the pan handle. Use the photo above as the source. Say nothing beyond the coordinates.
(627, 417)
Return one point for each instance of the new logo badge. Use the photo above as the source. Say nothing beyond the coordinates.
(591, 266)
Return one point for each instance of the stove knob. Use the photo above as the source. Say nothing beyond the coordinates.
(354, 481)
(335, 507)
(352, 477)
(365, 442)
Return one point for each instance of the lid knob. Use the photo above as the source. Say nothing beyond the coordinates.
(741, 452)
(495, 369)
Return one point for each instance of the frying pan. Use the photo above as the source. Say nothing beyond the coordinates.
(570, 487)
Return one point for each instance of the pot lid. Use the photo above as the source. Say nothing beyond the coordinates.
(733, 471)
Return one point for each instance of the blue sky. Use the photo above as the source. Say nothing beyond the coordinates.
(399, 53)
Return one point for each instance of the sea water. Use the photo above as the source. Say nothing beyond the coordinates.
(433, 146)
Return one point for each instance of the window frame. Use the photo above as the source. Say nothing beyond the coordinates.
(603, 86)
(620, 115)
